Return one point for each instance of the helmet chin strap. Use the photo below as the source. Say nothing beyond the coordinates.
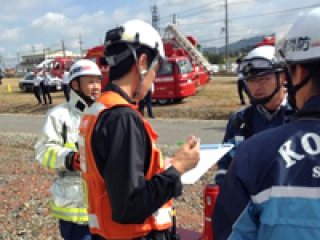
(293, 89)
(265, 100)
(88, 99)
(142, 74)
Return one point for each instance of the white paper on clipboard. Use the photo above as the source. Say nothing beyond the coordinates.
(209, 155)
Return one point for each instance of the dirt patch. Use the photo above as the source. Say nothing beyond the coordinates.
(24, 194)
(215, 100)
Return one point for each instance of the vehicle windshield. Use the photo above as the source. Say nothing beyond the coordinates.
(166, 68)
(29, 77)
(184, 66)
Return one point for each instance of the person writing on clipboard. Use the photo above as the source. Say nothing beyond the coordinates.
(129, 187)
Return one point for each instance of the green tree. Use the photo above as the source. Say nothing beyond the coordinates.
(214, 58)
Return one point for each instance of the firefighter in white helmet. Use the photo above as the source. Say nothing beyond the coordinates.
(129, 186)
(57, 148)
(264, 77)
(273, 182)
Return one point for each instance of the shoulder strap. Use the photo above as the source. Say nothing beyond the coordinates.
(244, 122)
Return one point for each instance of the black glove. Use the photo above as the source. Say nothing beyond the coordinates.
(72, 162)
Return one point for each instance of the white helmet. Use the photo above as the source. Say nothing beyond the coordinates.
(266, 52)
(261, 61)
(134, 32)
(302, 42)
(84, 67)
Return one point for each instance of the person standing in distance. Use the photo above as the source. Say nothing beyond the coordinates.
(65, 83)
(148, 101)
(45, 86)
(130, 188)
(57, 148)
(36, 85)
(241, 86)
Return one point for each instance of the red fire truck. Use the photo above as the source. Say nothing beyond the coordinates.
(177, 44)
(59, 64)
(268, 40)
(175, 79)
(96, 55)
(185, 69)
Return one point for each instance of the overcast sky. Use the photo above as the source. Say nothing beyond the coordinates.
(33, 25)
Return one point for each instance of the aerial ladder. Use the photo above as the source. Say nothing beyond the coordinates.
(195, 55)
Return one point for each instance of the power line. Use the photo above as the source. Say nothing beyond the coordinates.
(255, 15)
(207, 9)
(191, 9)
(277, 12)
(202, 8)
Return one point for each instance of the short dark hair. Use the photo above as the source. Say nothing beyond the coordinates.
(124, 67)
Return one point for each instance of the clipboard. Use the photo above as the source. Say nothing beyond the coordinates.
(209, 155)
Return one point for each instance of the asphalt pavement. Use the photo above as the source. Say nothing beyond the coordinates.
(170, 131)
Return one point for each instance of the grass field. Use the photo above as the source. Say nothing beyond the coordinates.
(216, 100)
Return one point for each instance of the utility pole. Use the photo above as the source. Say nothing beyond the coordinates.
(155, 17)
(3, 62)
(80, 45)
(18, 58)
(174, 18)
(63, 48)
(227, 35)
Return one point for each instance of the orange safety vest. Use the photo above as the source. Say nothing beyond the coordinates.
(99, 206)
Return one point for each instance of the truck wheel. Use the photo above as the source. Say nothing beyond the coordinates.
(178, 100)
(163, 101)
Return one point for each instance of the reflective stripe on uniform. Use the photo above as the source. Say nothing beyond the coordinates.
(93, 221)
(82, 151)
(70, 145)
(163, 215)
(50, 158)
(221, 172)
(287, 192)
(69, 214)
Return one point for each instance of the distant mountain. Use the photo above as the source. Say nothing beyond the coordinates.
(236, 46)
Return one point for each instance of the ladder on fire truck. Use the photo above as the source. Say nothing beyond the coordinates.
(195, 55)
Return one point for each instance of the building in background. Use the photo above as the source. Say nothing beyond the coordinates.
(29, 61)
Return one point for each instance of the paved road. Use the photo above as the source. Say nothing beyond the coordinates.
(170, 131)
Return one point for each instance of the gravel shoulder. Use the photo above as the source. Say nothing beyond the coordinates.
(24, 194)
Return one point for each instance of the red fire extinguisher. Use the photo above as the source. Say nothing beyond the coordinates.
(211, 192)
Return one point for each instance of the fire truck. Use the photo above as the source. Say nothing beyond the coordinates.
(96, 54)
(268, 40)
(184, 70)
(56, 66)
(59, 64)
(178, 44)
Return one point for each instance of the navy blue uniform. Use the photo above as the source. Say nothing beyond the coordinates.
(272, 187)
(244, 124)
